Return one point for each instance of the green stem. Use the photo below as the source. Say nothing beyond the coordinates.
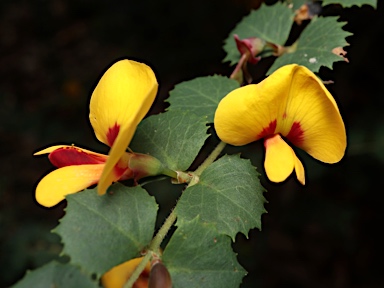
(212, 157)
(169, 172)
(154, 246)
(158, 239)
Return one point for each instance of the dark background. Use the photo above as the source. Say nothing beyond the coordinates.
(52, 53)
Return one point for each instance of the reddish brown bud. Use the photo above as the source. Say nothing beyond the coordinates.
(159, 276)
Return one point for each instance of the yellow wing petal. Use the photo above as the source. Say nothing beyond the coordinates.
(53, 188)
(243, 115)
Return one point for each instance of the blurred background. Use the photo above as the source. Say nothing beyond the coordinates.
(52, 53)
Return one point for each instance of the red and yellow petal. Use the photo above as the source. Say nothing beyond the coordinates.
(311, 119)
(119, 275)
(53, 188)
(281, 160)
(119, 102)
(64, 155)
(121, 99)
(57, 147)
(247, 114)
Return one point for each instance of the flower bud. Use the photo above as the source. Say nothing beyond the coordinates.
(143, 165)
(159, 276)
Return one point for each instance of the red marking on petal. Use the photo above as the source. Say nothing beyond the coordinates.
(284, 115)
(112, 134)
(68, 156)
(296, 134)
(268, 131)
(122, 171)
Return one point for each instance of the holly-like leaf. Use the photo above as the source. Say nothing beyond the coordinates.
(228, 194)
(174, 137)
(99, 232)
(55, 274)
(270, 23)
(315, 45)
(350, 3)
(197, 256)
(201, 95)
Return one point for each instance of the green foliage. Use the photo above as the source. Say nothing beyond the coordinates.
(349, 3)
(228, 195)
(201, 95)
(270, 23)
(198, 256)
(101, 232)
(175, 138)
(57, 275)
(314, 48)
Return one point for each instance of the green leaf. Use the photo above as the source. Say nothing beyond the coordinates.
(173, 137)
(296, 4)
(314, 47)
(58, 275)
(350, 3)
(99, 232)
(270, 23)
(197, 256)
(201, 95)
(228, 194)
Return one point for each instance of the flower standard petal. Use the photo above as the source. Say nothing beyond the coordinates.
(119, 102)
(121, 99)
(311, 119)
(250, 113)
(67, 180)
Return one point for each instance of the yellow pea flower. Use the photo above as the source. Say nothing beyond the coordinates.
(291, 105)
(119, 102)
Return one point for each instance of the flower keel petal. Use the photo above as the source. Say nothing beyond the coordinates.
(279, 159)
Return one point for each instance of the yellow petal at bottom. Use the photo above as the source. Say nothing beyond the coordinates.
(53, 188)
(281, 160)
(119, 275)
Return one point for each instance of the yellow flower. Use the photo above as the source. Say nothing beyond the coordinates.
(119, 102)
(291, 104)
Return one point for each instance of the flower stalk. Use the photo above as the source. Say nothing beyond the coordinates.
(154, 246)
